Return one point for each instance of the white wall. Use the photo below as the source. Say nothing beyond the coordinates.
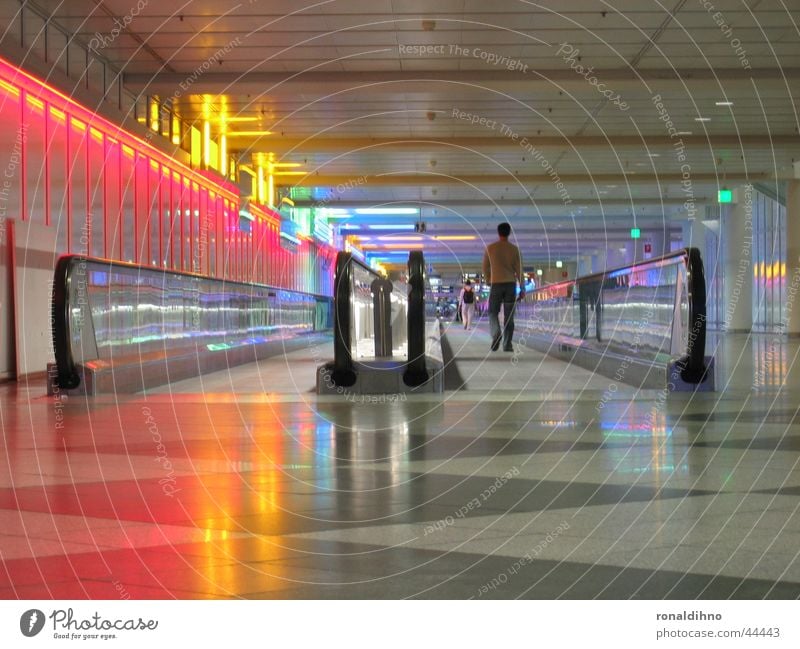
(35, 259)
(7, 354)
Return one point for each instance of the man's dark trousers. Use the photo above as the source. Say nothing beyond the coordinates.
(504, 293)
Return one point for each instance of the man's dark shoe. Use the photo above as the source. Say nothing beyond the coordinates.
(508, 349)
(495, 345)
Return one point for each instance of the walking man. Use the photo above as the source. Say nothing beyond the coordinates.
(502, 268)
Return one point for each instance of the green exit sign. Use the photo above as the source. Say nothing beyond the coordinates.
(725, 196)
(635, 233)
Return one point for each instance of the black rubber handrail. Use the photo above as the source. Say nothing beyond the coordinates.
(344, 373)
(416, 372)
(67, 374)
(692, 364)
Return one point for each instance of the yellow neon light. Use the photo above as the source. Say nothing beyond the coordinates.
(233, 120)
(286, 164)
(58, 114)
(154, 115)
(206, 145)
(271, 190)
(37, 103)
(291, 173)
(223, 155)
(128, 151)
(249, 133)
(260, 187)
(176, 130)
(33, 84)
(7, 86)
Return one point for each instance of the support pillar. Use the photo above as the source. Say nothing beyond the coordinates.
(694, 235)
(659, 243)
(792, 307)
(584, 265)
(736, 225)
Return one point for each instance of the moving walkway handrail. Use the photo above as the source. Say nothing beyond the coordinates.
(66, 269)
(692, 363)
(67, 377)
(416, 372)
(343, 369)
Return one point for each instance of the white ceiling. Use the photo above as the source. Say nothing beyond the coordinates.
(344, 96)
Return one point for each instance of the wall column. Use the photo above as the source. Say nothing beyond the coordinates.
(736, 226)
(694, 235)
(659, 243)
(792, 306)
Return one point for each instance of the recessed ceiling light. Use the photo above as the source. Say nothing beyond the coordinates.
(683, 133)
(702, 119)
(724, 103)
(653, 155)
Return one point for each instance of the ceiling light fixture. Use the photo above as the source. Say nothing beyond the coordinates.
(390, 211)
(248, 133)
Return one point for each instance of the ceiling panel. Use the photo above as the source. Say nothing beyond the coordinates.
(349, 39)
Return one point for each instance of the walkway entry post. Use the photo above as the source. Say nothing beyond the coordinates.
(416, 373)
(382, 315)
(343, 371)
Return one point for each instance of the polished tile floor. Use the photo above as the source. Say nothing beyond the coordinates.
(530, 479)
